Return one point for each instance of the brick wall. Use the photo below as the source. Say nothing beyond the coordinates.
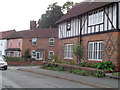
(41, 43)
(108, 39)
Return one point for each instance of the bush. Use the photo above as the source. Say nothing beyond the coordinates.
(27, 54)
(13, 58)
(104, 66)
(80, 72)
(98, 74)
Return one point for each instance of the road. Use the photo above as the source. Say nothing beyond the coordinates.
(13, 78)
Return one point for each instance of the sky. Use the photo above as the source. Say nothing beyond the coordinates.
(17, 14)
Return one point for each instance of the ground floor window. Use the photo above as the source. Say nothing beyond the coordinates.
(13, 54)
(39, 56)
(50, 53)
(95, 50)
(68, 51)
(33, 54)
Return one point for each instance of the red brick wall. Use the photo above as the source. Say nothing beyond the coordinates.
(41, 43)
(107, 38)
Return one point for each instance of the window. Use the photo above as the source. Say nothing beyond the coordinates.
(33, 54)
(39, 55)
(68, 26)
(18, 43)
(51, 41)
(34, 41)
(95, 50)
(10, 42)
(96, 18)
(68, 51)
(50, 53)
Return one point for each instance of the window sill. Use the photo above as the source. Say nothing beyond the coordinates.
(94, 60)
(68, 58)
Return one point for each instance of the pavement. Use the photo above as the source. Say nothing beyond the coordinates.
(86, 80)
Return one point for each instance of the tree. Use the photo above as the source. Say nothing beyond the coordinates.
(67, 6)
(78, 51)
(27, 54)
(52, 15)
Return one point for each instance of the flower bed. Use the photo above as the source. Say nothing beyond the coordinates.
(70, 67)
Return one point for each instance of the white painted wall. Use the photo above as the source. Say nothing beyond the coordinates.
(3, 46)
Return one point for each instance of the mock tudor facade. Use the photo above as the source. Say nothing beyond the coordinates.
(42, 42)
(95, 25)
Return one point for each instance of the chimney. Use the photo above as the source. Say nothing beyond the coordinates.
(32, 25)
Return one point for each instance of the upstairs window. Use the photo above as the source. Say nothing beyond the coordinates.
(95, 18)
(18, 43)
(68, 26)
(10, 43)
(34, 41)
(51, 41)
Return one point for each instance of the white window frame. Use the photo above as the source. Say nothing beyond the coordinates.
(10, 43)
(34, 41)
(51, 40)
(95, 51)
(49, 55)
(95, 18)
(19, 43)
(33, 55)
(68, 51)
(40, 55)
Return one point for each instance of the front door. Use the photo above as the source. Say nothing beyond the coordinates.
(39, 56)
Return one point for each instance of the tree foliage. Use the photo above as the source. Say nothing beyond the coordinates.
(67, 6)
(78, 50)
(53, 14)
(27, 54)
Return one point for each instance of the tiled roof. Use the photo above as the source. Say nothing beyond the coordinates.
(39, 33)
(13, 49)
(5, 34)
(82, 8)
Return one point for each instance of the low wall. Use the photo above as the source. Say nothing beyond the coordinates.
(24, 63)
(70, 67)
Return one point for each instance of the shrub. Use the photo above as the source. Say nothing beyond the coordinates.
(27, 54)
(104, 65)
(80, 72)
(13, 58)
(78, 51)
(98, 74)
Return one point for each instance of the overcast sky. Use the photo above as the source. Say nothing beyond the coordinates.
(16, 14)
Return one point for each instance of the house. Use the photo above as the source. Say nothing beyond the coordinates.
(95, 25)
(42, 42)
(3, 40)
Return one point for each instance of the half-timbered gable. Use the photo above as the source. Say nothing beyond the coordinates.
(97, 20)
(96, 26)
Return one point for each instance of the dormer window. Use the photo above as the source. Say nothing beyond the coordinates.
(34, 41)
(68, 25)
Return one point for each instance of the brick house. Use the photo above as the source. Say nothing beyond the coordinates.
(3, 40)
(42, 42)
(96, 26)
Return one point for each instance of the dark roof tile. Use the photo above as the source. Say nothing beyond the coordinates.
(82, 8)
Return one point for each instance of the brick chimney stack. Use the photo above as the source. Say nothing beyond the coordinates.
(32, 25)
